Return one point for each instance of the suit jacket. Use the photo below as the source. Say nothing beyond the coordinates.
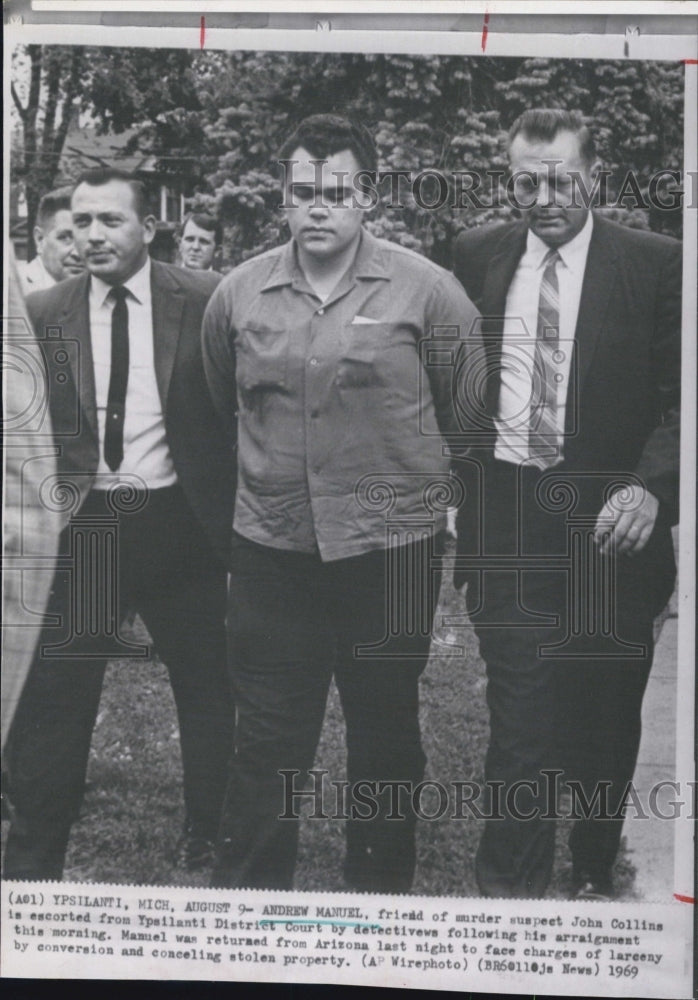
(623, 407)
(202, 453)
(30, 536)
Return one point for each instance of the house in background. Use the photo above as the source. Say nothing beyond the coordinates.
(18, 221)
(84, 149)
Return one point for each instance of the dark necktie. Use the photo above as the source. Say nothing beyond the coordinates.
(118, 380)
(543, 447)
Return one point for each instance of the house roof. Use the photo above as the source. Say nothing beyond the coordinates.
(85, 148)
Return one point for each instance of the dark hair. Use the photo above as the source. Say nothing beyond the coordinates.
(103, 175)
(324, 135)
(545, 123)
(51, 203)
(204, 221)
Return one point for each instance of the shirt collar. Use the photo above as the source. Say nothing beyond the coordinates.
(371, 259)
(284, 268)
(138, 285)
(370, 262)
(572, 254)
(40, 266)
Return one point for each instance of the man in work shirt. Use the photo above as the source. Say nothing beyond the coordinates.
(318, 346)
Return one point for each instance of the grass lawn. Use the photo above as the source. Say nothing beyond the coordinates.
(133, 810)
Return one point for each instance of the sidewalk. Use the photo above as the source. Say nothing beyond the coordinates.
(650, 842)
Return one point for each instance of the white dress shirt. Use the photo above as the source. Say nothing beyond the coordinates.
(33, 276)
(146, 454)
(519, 339)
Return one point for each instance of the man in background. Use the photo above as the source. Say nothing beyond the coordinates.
(201, 238)
(56, 255)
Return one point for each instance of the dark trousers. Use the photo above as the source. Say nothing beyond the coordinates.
(151, 558)
(556, 703)
(293, 621)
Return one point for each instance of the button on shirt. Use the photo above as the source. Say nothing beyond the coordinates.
(519, 338)
(342, 403)
(146, 454)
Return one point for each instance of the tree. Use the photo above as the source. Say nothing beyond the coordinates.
(55, 78)
(216, 120)
(154, 92)
(56, 85)
(447, 114)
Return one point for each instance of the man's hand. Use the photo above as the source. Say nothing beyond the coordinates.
(626, 521)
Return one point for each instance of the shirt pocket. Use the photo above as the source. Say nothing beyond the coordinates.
(362, 355)
(262, 358)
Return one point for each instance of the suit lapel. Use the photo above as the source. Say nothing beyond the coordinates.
(500, 271)
(168, 305)
(599, 277)
(74, 318)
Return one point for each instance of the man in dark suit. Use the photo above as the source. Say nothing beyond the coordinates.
(565, 540)
(145, 484)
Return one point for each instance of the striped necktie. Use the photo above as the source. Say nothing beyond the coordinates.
(543, 433)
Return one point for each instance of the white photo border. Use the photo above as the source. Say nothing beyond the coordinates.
(645, 47)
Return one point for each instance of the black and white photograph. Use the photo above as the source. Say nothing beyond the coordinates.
(349, 503)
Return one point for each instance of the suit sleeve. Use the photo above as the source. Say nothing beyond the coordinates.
(31, 528)
(451, 324)
(461, 270)
(659, 463)
(470, 371)
(218, 345)
(471, 257)
(457, 349)
(34, 302)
